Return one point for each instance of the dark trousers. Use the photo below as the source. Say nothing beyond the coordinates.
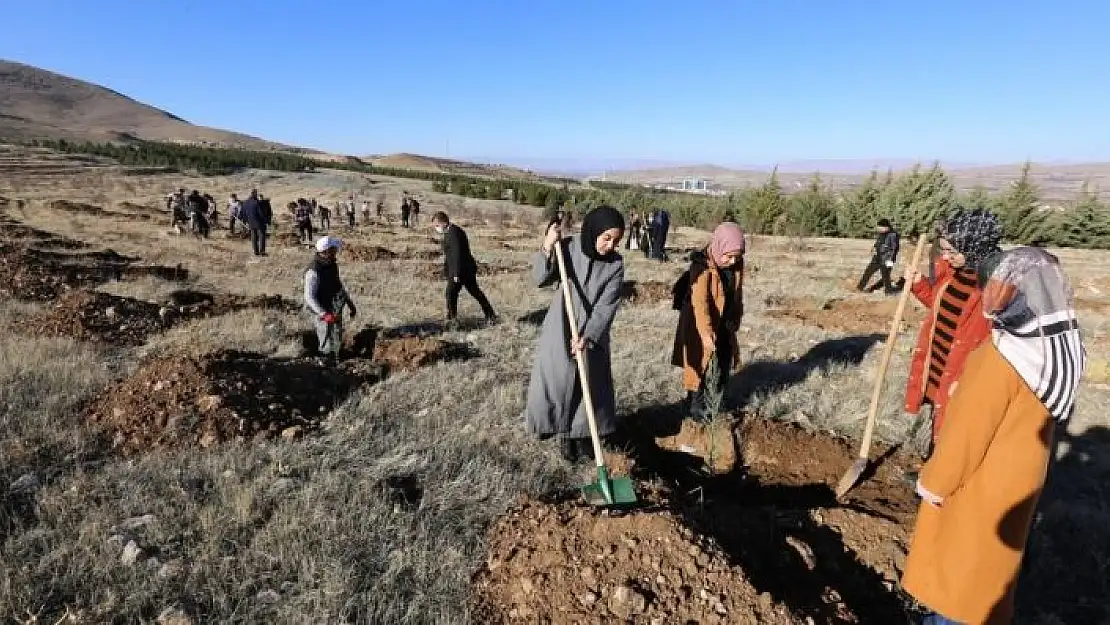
(471, 286)
(351, 219)
(304, 230)
(258, 241)
(876, 265)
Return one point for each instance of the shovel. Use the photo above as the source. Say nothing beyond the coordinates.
(606, 491)
(853, 475)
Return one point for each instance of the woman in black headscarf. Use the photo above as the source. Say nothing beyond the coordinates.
(953, 297)
(596, 273)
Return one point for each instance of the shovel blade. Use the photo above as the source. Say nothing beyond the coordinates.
(608, 491)
(851, 477)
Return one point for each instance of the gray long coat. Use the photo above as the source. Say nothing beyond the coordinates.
(554, 397)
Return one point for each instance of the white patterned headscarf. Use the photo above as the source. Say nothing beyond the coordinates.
(1029, 301)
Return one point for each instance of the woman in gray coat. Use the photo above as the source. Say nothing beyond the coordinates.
(596, 272)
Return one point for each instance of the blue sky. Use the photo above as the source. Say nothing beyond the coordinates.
(742, 82)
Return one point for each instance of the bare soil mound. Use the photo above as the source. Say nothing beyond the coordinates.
(81, 208)
(362, 253)
(566, 563)
(406, 353)
(768, 540)
(646, 293)
(182, 401)
(35, 274)
(192, 304)
(123, 321)
(98, 318)
(850, 316)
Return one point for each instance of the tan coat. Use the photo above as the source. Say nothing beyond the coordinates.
(701, 317)
(989, 466)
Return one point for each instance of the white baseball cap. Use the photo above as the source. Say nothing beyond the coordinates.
(324, 244)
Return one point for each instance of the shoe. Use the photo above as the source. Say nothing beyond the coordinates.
(568, 449)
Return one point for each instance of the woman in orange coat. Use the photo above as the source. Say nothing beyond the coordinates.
(710, 318)
(957, 325)
(980, 488)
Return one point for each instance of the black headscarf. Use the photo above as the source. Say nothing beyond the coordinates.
(976, 234)
(594, 224)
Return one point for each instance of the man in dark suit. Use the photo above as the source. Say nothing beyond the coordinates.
(258, 217)
(460, 268)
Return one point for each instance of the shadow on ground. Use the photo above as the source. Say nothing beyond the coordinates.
(768, 521)
(1066, 572)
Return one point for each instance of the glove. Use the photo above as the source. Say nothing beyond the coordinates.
(890, 264)
(328, 318)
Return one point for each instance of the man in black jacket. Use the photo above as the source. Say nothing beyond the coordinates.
(257, 217)
(883, 256)
(460, 268)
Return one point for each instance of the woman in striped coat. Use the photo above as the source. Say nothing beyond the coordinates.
(953, 296)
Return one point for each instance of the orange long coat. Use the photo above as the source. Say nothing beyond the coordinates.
(701, 317)
(989, 466)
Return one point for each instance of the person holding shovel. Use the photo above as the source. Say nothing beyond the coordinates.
(325, 297)
(955, 325)
(980, 488)
(710, 317)
(595, 271)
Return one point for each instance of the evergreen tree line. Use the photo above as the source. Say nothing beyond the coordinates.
(915, 200)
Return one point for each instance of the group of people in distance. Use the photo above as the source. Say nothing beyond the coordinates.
(997, 363)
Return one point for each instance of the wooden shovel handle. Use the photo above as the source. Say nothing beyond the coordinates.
(583, 377)
(888, 351)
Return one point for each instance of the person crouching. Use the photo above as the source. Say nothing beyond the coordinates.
(325, 297)
(709, 320)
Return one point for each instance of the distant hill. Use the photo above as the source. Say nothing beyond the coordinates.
(39, 104)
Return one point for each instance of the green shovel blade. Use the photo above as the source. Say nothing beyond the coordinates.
(608, 491)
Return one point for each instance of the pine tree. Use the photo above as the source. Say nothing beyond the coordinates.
(765, 205)
(812, 212)
(979, 198)
(1087, 225)
(1023, 220)
(858, 212)
(917, 199)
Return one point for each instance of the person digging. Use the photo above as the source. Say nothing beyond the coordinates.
(884, 254)
(325, 298)
(554, 405)
(460, 268)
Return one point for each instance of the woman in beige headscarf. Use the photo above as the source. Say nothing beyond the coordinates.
(981, 486)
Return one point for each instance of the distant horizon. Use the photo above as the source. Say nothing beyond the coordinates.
(595, 166)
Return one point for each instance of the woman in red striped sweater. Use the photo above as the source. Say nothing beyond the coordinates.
(954, 297)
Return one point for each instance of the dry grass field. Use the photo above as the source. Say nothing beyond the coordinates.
(164, 460)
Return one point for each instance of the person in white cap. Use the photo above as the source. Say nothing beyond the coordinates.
(325, 297)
